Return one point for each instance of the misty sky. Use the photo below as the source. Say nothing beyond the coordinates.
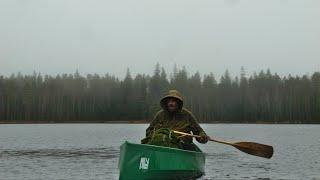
(107, 36)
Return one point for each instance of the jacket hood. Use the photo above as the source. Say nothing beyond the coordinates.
(172, 94)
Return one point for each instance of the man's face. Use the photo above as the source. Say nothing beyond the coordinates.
(172, 105)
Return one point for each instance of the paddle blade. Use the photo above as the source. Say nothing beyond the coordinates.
(255, 149)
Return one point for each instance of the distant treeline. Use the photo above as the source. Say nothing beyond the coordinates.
(262, 97)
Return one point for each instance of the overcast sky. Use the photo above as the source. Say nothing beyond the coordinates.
(107, 36)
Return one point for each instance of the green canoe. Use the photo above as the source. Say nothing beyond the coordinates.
(141, 161)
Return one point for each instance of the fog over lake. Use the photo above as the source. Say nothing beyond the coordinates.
(208, 36)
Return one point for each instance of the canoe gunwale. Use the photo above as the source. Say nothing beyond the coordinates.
(163, 148)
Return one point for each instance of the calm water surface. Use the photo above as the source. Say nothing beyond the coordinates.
(91, 151)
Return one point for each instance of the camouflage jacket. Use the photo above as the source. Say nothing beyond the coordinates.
(183, 120)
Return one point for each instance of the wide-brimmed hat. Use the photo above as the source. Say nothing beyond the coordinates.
(172, 94)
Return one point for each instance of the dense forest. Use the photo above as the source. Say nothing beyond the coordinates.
(259, 98)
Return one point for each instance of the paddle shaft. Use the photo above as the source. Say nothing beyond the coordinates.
(210, 139)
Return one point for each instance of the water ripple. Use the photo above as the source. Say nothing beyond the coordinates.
(107, 153)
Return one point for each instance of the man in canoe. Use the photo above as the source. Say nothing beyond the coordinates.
(174, 117)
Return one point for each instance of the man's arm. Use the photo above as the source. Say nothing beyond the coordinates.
(197, 130)
(154, 122)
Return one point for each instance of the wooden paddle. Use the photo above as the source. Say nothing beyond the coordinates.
(252, 148)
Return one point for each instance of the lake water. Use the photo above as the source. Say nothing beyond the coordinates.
(91, 151)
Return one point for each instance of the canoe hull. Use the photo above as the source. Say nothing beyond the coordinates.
(140, 161)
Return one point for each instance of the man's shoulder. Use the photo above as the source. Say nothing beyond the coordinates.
(159, 112)
(186, 111)
(189, 114)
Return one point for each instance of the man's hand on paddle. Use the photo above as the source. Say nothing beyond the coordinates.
(203, 139)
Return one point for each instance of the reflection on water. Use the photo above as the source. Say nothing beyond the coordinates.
(91, 151)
